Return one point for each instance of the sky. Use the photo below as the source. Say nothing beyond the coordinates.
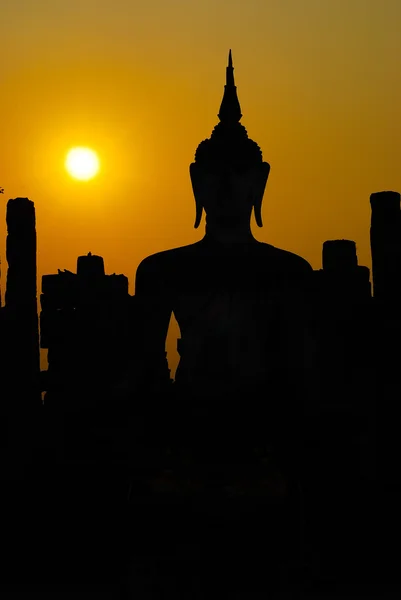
(140, 82)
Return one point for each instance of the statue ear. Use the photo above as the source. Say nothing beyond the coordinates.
(259, 190)
(193, 171)
(198, 217)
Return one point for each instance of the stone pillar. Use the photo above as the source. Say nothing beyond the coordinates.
(90, 266)
(385, 236)
(344, 306)
(339, 255)
(21, 300)
(21, 317)
(385, 240)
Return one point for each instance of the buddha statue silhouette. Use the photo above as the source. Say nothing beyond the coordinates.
(239, 303)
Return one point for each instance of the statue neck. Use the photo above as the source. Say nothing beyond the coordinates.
(238, 234)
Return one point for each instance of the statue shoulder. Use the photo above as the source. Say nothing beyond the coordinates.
(298, 264)
(288, 261)
(152, 262)
(151, 270)
(160, 267)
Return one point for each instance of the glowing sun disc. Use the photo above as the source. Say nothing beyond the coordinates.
(82, 163)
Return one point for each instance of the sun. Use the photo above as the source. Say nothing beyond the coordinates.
(82, 163)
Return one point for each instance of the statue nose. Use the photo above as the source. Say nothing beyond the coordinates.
(225, 189)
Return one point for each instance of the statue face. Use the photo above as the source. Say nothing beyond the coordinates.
(229, 193)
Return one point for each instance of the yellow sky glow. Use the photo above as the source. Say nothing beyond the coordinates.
(141, 83)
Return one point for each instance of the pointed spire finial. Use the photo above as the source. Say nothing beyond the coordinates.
(230, 109)
(229, 137)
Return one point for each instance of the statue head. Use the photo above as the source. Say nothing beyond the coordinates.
(229, 176)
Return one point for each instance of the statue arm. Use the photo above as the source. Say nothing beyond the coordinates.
(154, 308)
(306, 302)
(301, 340)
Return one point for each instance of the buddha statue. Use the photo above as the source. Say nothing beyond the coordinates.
(241, 305)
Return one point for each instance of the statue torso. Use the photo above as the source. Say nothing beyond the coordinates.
(233, 306)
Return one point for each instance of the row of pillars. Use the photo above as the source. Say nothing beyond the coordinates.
(20, 319)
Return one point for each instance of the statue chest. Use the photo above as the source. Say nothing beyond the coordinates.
(229, 331)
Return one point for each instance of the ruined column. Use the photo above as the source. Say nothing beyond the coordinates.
(21, 305)
(3, 370)
(339, 255)
(385, 240)
(385, 237)
(90, 266)
(345, 305)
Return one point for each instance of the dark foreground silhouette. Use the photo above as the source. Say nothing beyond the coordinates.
(269, 466)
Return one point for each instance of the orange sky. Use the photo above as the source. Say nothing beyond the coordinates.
(319, 83)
